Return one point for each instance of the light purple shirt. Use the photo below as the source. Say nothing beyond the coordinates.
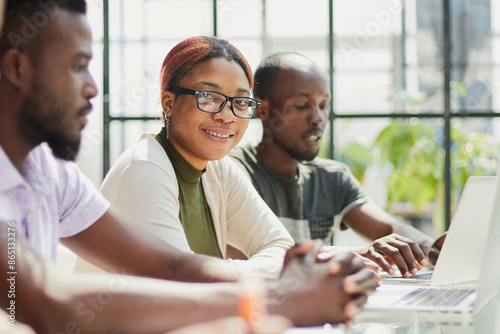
(49, 199)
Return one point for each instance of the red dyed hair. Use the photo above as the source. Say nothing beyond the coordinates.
(192, 51)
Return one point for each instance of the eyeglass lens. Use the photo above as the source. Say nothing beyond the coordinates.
(213, 102)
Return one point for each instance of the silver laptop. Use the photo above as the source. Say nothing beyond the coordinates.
(451, 300)
(465, 243)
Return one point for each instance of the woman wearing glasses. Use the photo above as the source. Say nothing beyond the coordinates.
(179, 184)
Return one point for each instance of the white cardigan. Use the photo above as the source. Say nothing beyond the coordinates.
(142, 185)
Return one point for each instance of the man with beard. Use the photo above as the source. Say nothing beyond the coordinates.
(307, 193)
(45, 93)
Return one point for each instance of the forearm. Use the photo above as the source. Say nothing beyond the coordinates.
(410, 232)
(98, 303)
(267, 261)
(201, 268)
(373, 223)
(161, 263)
(141, 305)
(115, 244)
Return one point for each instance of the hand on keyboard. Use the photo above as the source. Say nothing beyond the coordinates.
(395, 250)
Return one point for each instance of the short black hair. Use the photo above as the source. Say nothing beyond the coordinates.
(267, 72)
(23, 19)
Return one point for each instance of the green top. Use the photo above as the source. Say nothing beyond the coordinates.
(195, 214)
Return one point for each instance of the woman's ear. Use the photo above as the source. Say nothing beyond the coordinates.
(167, 102)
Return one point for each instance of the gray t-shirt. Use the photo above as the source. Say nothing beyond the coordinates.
(323, 193)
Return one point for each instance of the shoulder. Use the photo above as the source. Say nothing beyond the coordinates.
(329, 172)
(226, 174)
(67, 183)
(147, 149)
(42, 156)
(223, 168)
(50, 167)
(142, 164)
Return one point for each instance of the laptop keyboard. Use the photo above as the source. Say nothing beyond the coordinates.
(435, 297)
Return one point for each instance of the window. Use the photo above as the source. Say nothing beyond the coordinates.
(415, 100)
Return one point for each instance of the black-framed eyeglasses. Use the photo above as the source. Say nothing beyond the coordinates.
(213, 102)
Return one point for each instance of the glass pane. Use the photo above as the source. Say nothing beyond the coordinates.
(251, 50)
(303, 29)
(471, 28)
(134, 88)
(238, 18)
(357, 92)
(471, 89)
(95, 15)
(425, 89)
(471, 56)
(429, 32)
(297, 19)
(373, 17)
(125, 134)
(370, 38)
(380, 57)
(122, 11)
(138, 50)
(475, 151)
(178, 19)
(388, 57)
(495, 54)
(495, 88)
(475, 148)
(136, 19)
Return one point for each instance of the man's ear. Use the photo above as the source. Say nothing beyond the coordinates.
(263, 110)
(16, 68)
(167, 102)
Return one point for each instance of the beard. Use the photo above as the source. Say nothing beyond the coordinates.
(64, 148)
(301, 156)
(41, 120)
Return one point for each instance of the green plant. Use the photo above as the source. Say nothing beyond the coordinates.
(414, 154)
(416, 157)
(409, 146)
(354, 155)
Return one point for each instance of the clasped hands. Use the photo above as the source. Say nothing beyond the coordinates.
(314, 290)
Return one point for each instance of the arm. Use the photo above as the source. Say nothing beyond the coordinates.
(116, 244)
(49, 301)
(145, 190)
(436, 248)
(395, 243)
(307, 293)
(147, 194)
(251, 225)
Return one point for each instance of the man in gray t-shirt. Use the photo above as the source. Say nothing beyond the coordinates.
(311, 195)
(308, 205)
